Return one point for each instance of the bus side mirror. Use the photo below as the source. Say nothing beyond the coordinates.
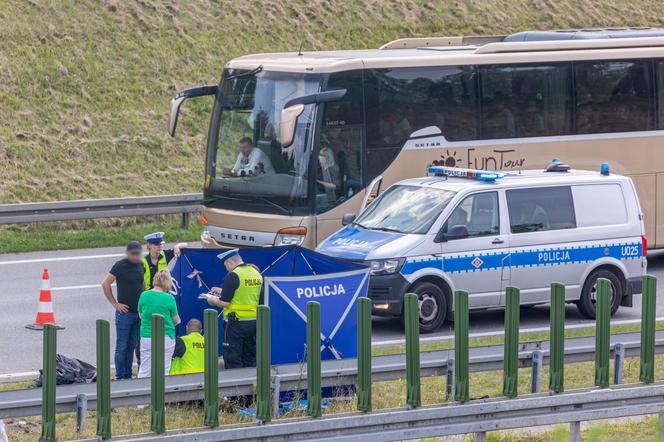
(289, 116)
(348, 219)
(177, 101)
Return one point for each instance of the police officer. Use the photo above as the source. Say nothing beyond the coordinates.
(157, 258)
(189, 353)
(239, 297)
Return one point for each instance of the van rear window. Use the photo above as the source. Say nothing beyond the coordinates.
(541, 208)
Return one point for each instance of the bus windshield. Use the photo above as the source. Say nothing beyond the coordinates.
(247, 167)
(405, 209)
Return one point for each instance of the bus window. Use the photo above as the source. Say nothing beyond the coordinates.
(613, 96)
(659, 71)
(341, 154)
(525, 101)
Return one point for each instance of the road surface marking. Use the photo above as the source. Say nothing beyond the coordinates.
(61, 258)
(450, 337)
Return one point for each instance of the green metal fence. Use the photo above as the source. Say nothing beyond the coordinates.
(264, 395)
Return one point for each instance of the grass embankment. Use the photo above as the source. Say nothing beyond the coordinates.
(86, 83)
(88, 234)
(392, 394)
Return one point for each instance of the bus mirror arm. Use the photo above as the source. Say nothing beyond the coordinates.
(176, 102)
(294, 108)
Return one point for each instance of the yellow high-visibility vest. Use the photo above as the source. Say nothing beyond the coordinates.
(193, 360)
(161, 265)
(246, 297)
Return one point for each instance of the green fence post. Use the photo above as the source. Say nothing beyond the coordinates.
(48, 383)
(211, 373)
(511, 348)
(314, 401)
(103, 379)
(461, 356)
(158, 378)
(263, 365)
(557, 338)
(412, 316)
(364, 354)
(602, 332)
(648, 325)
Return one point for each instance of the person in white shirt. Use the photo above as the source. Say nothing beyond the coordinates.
(250, 161)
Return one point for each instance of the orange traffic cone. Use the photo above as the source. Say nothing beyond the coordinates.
(45, 313)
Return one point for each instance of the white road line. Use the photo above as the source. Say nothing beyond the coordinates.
(387, 343)
(61, 258)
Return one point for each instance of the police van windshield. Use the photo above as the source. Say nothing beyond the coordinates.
(405, 209)
(247, 166)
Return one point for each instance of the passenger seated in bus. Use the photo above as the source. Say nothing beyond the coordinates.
(250, 161)
(395, 127)
(499, 121)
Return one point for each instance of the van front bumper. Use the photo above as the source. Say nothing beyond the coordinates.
(386, 293)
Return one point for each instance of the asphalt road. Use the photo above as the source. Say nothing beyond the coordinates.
(78, 302)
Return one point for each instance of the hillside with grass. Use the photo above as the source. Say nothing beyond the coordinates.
(85, 84)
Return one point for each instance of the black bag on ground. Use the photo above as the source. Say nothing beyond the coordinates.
(71, 371)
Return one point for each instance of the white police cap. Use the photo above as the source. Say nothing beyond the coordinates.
(155, 238)
(228, 254)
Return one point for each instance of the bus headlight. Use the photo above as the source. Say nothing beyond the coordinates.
(290, 236)
(386, 266)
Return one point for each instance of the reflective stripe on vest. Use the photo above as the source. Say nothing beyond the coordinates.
(193, 360)
(161, 265)
(246, 297)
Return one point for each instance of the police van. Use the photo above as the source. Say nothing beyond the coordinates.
(482, 231)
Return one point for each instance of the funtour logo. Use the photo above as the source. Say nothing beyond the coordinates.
(495, 159)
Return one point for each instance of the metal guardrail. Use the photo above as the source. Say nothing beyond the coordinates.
(19, 403)
(101, 208)
(479, 416)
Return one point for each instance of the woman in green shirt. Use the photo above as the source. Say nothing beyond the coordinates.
(159, 301)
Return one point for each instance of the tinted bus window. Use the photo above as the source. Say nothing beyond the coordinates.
(525, 101)
(613, 96)
(659, 72)
(540, 208)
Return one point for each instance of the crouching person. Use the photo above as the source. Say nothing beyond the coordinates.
(189, 354)
(157, 300)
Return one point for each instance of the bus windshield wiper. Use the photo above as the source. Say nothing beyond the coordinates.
(278, 206)
(244, 74)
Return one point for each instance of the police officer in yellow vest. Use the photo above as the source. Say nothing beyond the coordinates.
(157, 258)
(189, 353)
(239, 297)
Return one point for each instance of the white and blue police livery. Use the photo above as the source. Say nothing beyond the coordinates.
(482, 231)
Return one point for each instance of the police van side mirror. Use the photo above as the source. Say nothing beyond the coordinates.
(458, 231)
(348, 219)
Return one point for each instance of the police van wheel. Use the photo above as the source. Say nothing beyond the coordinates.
(432, 306)
(586, 303)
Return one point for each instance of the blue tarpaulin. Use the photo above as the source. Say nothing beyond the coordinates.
(292, 276)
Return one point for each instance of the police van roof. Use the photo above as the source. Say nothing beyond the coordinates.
(513, 179)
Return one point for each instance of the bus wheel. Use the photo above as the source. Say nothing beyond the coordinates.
(586, 303)
(432, 306)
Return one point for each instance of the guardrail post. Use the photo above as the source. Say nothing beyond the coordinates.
(461, 351)
(619, 363)
(211, 373)
(412, 313)
(185, 220)
(364, 354)
(449, 379)
(648, 326)
(575, 431)
(263, 365)
(48, 383)
(276, 393)
(660, 425)
(157, 376)
(314, 401)
(511, 350)
(103, 379)
(536, 374)
(480, 436)
(81, 412)
(557, 339)
(602, 332)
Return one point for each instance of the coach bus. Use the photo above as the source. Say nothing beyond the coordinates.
(322, 132)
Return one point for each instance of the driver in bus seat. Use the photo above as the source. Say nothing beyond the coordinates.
(328, 170)
(250, 161)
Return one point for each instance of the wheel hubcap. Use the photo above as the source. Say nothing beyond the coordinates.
(428, 307)
(593, 294)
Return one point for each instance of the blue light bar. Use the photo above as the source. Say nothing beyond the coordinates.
(604, 169)
(480, 175)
